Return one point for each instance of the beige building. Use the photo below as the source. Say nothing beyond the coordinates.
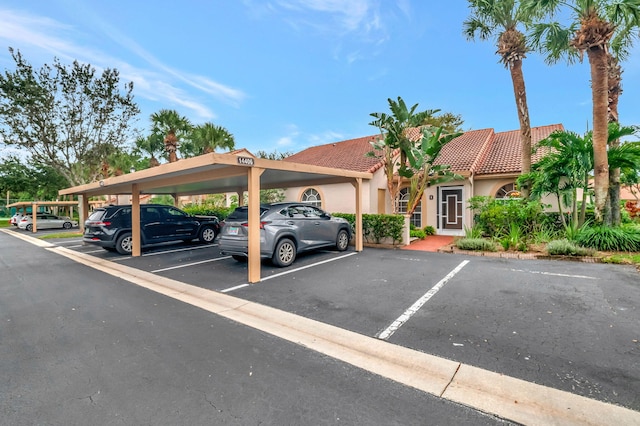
(490, 162)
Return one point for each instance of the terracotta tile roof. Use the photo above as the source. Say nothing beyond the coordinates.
(348, 155)
(481, 151)
(503, 154)
(463, 152)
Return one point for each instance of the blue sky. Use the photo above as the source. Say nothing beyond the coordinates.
(283, 75)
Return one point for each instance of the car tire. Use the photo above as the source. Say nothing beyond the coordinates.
(124, 243)
(29, 227)
(342, 241)
(241, 259)
(67, 225)
(207, 235)
(284, 254)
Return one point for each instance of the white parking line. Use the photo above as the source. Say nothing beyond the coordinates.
(289, 271)
(191, 264)
(69, 242)
(386, 333)
(586, 277)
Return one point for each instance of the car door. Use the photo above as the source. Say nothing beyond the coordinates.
(319, 228)
(46, 221)
(180, 225)
(151, 223)
(310, 227)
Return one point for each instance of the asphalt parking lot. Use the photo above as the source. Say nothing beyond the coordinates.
(570, 326)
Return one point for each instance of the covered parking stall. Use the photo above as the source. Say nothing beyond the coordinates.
(23, 205)
(220, 173)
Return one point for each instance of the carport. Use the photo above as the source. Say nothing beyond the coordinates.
(22, 205)
(219, 173)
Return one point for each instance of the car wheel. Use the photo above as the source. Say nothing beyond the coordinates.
(342, 242)
(66, 225)
(124, 243)
(285, 253)
(241, 259)
(207, 235)
(29, 227)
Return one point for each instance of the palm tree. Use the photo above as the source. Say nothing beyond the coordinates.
(206, 138)
(620, 46)
(565, 169)
(500, 19)
(151, 145)
(591, 30)
(173, 127)
(398, 136)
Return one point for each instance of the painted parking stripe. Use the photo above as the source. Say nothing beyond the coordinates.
(289, 271)
(191, 264)
(586, 277)
(386, 333)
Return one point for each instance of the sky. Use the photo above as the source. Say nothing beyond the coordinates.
(284, 75)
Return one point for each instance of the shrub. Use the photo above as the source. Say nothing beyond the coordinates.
(565, 247)
(429, 230)
(208, 210)
(606, 238)
(497, 217)
(376, 227)
(417, 233)
(475, 244)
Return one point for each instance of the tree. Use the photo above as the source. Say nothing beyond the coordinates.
(151, 145)
(569, 162)
(275, 155)
(423, 171)
(32, 180)
(65, 117)
(206, 138)
(173, 127)
(500, 19)
(591, 30)
(564, 170)
(399, 135)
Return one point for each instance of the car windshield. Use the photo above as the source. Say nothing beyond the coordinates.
(96, 215)
(242, 213)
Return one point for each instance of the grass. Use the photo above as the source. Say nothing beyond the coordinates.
(623, 259)
(4, 223)
(61, 235)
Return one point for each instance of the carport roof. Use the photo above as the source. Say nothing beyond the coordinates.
(215, 173)
(21, 204)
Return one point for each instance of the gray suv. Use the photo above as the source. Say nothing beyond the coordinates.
(285, 230)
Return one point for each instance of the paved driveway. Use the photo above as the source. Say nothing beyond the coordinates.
(567, 325)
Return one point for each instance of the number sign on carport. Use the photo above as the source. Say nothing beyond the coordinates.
(219, 173)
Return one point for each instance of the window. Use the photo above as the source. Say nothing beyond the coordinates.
(312, 197)
(507, 191)
(403, 201)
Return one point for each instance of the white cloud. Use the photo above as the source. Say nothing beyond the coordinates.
(159, 82)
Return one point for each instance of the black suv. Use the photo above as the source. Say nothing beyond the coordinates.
(110, 227)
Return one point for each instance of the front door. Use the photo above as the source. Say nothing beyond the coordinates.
(451, 209)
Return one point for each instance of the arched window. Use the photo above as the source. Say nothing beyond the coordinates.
(403, 201)
(312, 197)
(507, 191)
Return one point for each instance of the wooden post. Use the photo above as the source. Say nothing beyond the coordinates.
(135, 221)
(253, 181)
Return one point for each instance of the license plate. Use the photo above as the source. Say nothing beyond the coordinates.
(233, 230)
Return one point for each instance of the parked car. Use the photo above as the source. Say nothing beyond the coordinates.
(110, 227)
(286, 229)
(46, 221)
(15, 219)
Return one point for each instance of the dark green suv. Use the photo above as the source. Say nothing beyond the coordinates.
(110, 227)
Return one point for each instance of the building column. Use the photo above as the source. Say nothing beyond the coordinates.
(135, 221)
(253, 182)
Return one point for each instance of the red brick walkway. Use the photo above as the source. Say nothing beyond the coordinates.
(431, 243)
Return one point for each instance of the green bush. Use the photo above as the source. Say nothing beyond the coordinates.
(376, 227)
(607, 238)
(418, 233)
(429, 230)
(208, 210)
(565, 247)
(475, 244)
(496, 217)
